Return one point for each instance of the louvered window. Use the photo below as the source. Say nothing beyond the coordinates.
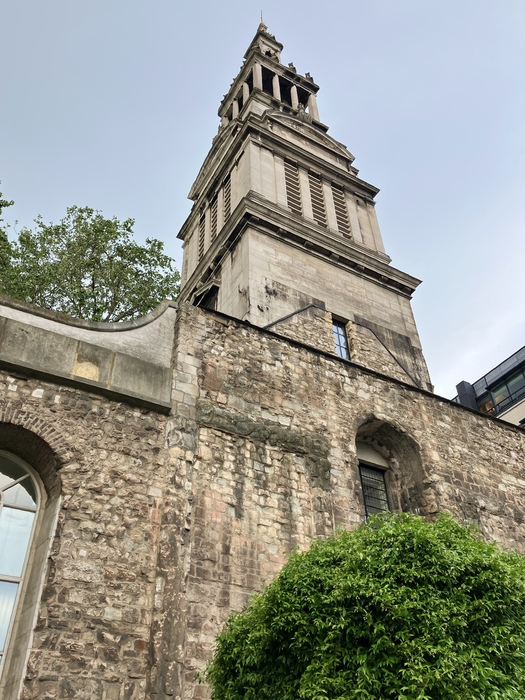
(214, 218)
(202, 233)
(316, 195)
(341, 211)
(293, 190)
(227, 198)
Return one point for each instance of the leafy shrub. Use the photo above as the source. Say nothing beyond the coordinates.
(399, 608)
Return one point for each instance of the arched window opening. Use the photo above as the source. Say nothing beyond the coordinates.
(19, 501)
(372, 468)
(399, 476)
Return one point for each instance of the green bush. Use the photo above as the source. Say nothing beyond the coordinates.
(399, 608)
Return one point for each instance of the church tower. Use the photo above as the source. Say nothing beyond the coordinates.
(283, 232)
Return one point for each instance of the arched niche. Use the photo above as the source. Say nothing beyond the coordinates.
(27, 459)
(387, 448)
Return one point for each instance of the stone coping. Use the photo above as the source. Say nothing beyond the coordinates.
(67, 320)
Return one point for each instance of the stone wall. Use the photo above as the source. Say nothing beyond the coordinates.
(165, 524)
(264, 442)
(387, 352)
(312, 326)
(107, 461)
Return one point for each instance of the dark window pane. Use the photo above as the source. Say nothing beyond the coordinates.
(516, 383)
(499, 393)
(341, 341)
(7, 600)
(485, 403)
(374, 489)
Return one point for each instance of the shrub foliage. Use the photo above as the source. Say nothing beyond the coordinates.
(399, 608)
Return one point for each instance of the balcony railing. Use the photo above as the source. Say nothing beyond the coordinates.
(507, 402)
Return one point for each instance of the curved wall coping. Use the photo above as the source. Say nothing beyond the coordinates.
(103, 326)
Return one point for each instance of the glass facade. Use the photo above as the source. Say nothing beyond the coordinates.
(504, 394)
(498, 390)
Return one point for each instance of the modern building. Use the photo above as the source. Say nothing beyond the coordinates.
(500, 392)
(155, 474)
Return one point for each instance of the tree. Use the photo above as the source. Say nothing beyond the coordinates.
(88, 266)
(399, 608)
(5, 246)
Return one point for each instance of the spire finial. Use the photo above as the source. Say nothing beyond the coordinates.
(262, 26)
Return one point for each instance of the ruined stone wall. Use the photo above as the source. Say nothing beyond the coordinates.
(93, 623)
(168, 523)
(264, 441)
(386, 352)
(313, 327)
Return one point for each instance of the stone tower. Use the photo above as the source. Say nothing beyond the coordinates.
(283, 232)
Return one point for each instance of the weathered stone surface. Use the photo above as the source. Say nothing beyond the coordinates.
(94, 619)
(44, 353)
(267, 411)
(166, 524)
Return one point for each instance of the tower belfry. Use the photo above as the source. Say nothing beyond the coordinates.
(283, 232)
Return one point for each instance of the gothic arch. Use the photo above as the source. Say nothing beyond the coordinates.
(36, 441)
(26, 447)
(405, 478)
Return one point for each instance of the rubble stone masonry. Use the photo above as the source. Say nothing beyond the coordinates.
(93, 625)
(166, 523)
(264, 441)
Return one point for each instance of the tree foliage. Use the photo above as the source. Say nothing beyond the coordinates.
(87, 266)
(399, 608)
(5, 246)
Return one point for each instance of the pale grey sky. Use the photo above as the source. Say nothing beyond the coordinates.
(112, 104)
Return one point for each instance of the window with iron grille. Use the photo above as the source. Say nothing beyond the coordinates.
(374, 489)
(341, 211)
(341, 341)
(202, 233)
(317, 197)
(227, 198)
(293, 189)
(213, 218)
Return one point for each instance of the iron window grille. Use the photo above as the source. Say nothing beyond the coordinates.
(374, 490)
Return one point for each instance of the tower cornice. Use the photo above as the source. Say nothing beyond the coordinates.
(255, 213)
(222, 152)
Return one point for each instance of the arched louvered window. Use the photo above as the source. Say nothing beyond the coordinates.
(19, 501)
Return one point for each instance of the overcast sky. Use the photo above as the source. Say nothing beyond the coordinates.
(113, 104)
